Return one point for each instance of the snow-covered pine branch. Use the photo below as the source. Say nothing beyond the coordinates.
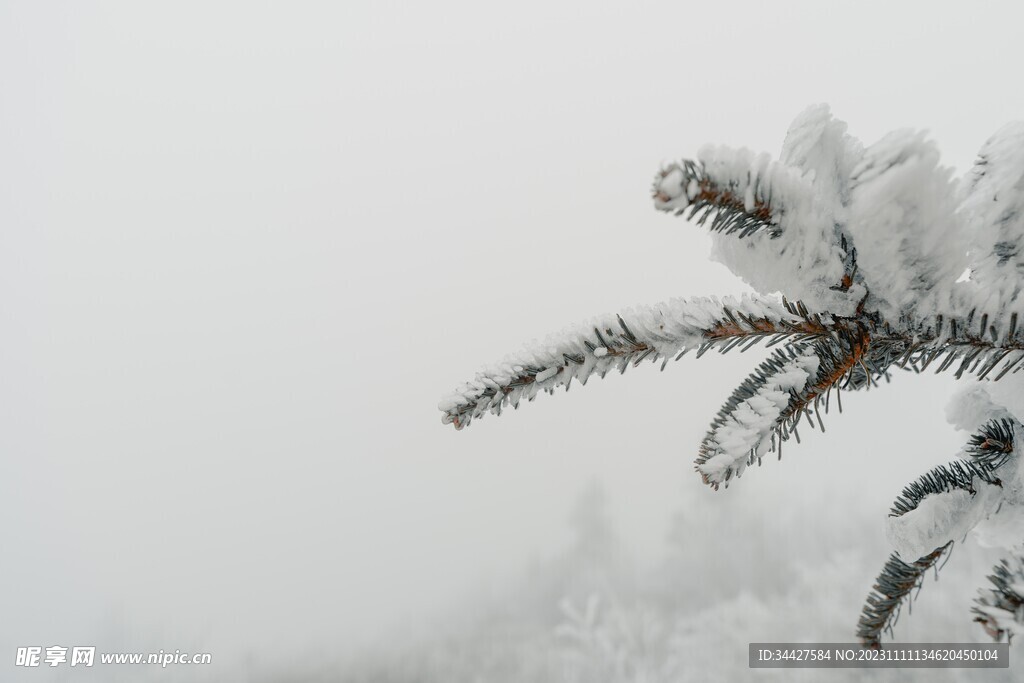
(948, 502)
(758, 416)
(939, 509)
(910, 246)
(740, 192)
(768, 223)
(796, 382)
(875, 243)
(973, 344)
(818, 145)
(894, 584)
(1000, 609)
(992, 209)
(766, 408)
(663, 331)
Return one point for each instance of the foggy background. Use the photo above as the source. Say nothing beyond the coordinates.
(245, 247)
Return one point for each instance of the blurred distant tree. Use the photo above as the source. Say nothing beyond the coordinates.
(887, 263)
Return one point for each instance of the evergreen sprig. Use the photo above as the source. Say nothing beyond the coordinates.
(970, 344)
(724, 203)
(959, 474)
(663, 332)
(1002, 604)
(993, 445)
(895, 583)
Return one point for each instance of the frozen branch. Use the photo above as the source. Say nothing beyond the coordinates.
(1000, 609)
(649, 333)
(895, 583)
(766, 409)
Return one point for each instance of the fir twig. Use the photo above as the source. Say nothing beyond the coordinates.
(1002, 604)
(993, 445)
(844, 356)
(959, 474)
(661, 332)
(895, 582)
(730, 209)
(960, 344)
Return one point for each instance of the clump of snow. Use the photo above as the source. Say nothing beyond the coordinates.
(940, 518)
(993, 210)
(818, 143)
(804, 259)
(994, 511)
(809, 190)
(972, 406)
(1008, 394)
(670, 187)
(1003, 529)
(545, 375)
(910, 245)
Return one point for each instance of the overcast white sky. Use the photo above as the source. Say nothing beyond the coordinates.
(246, 246)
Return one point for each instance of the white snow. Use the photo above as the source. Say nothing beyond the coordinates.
(808, 190)
(545, 375)
(910, 246)
(972, 406)
(672, 184)
(993, 210)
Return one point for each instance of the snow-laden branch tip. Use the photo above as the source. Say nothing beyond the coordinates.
(1000, 608)
(614, 342)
